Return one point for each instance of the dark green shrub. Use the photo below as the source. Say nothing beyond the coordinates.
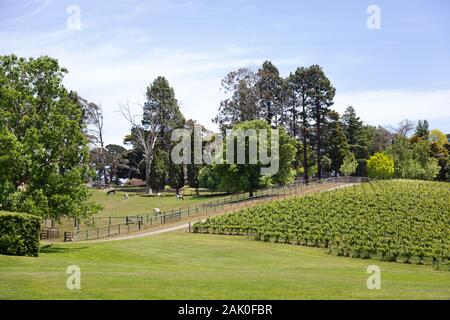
(19, 234)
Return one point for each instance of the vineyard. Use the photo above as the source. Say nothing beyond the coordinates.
(396, 220)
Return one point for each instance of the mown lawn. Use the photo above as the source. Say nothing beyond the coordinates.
(137, 204)
(180, 265)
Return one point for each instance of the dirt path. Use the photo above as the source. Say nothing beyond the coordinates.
(185, 225)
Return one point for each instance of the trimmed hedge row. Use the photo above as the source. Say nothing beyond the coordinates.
(19, 234)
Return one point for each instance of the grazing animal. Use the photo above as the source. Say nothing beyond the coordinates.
(157, 211)
(159, 194)
(125, 196)
(111, 192)
(180, 196)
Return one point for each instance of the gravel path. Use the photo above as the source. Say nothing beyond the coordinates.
(175, 227)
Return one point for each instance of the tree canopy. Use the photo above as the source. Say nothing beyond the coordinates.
(44, 160)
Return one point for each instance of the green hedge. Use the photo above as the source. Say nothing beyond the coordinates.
(19, 234)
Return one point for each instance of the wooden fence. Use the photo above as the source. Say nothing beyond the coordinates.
(117, 226)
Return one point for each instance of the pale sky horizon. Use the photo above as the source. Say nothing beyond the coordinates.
(396, 72)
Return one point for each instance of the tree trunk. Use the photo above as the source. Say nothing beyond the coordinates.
(319, 144)
(305, 151)
(148, 165)
(251, 193)
(103, 156)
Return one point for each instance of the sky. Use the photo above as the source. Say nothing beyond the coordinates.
(390, 66)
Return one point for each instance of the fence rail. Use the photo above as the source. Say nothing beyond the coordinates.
(129, 224)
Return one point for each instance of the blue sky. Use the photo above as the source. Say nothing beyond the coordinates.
(399, 71)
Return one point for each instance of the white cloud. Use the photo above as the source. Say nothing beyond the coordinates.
(386, 107)
(120, 68)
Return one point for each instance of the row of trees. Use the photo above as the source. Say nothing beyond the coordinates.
(52, 140)
(424, 155)
(327, 141)
(324, 142)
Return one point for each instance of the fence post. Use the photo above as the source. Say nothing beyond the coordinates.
(109, 220)
(118, 229)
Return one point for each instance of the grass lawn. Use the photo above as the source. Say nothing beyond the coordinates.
(179, 265)
(117, 206)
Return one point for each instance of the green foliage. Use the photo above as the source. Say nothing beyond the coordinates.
(336, 144)
(247, 177)
(352, 126)
(413, 160)
(19, 234)
(390, 218)
(115, 161)
(422, 129)
(269, 89)
(161, 108)
(349, 165)
(321, 95)
(380, 166)
(438, 137)
(44, 160)
(208, 178)
(159, 169)
(175, 176)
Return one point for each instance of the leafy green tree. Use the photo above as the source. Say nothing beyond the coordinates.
(161, 115)
(247, 177)
(97, 164)
(175, 176)
(349, 165)
(380, 166)
(321, 97)
(299, 112)
(114, 161)
(413, 160)
(159, 169)
(439, 138)
(193, 169)
(352, 126)
(336, 144)
(44, 163)
(208, 178)
(243, 103)
(269, 89)
(381, 139)
(422, 129)
(361, 138)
